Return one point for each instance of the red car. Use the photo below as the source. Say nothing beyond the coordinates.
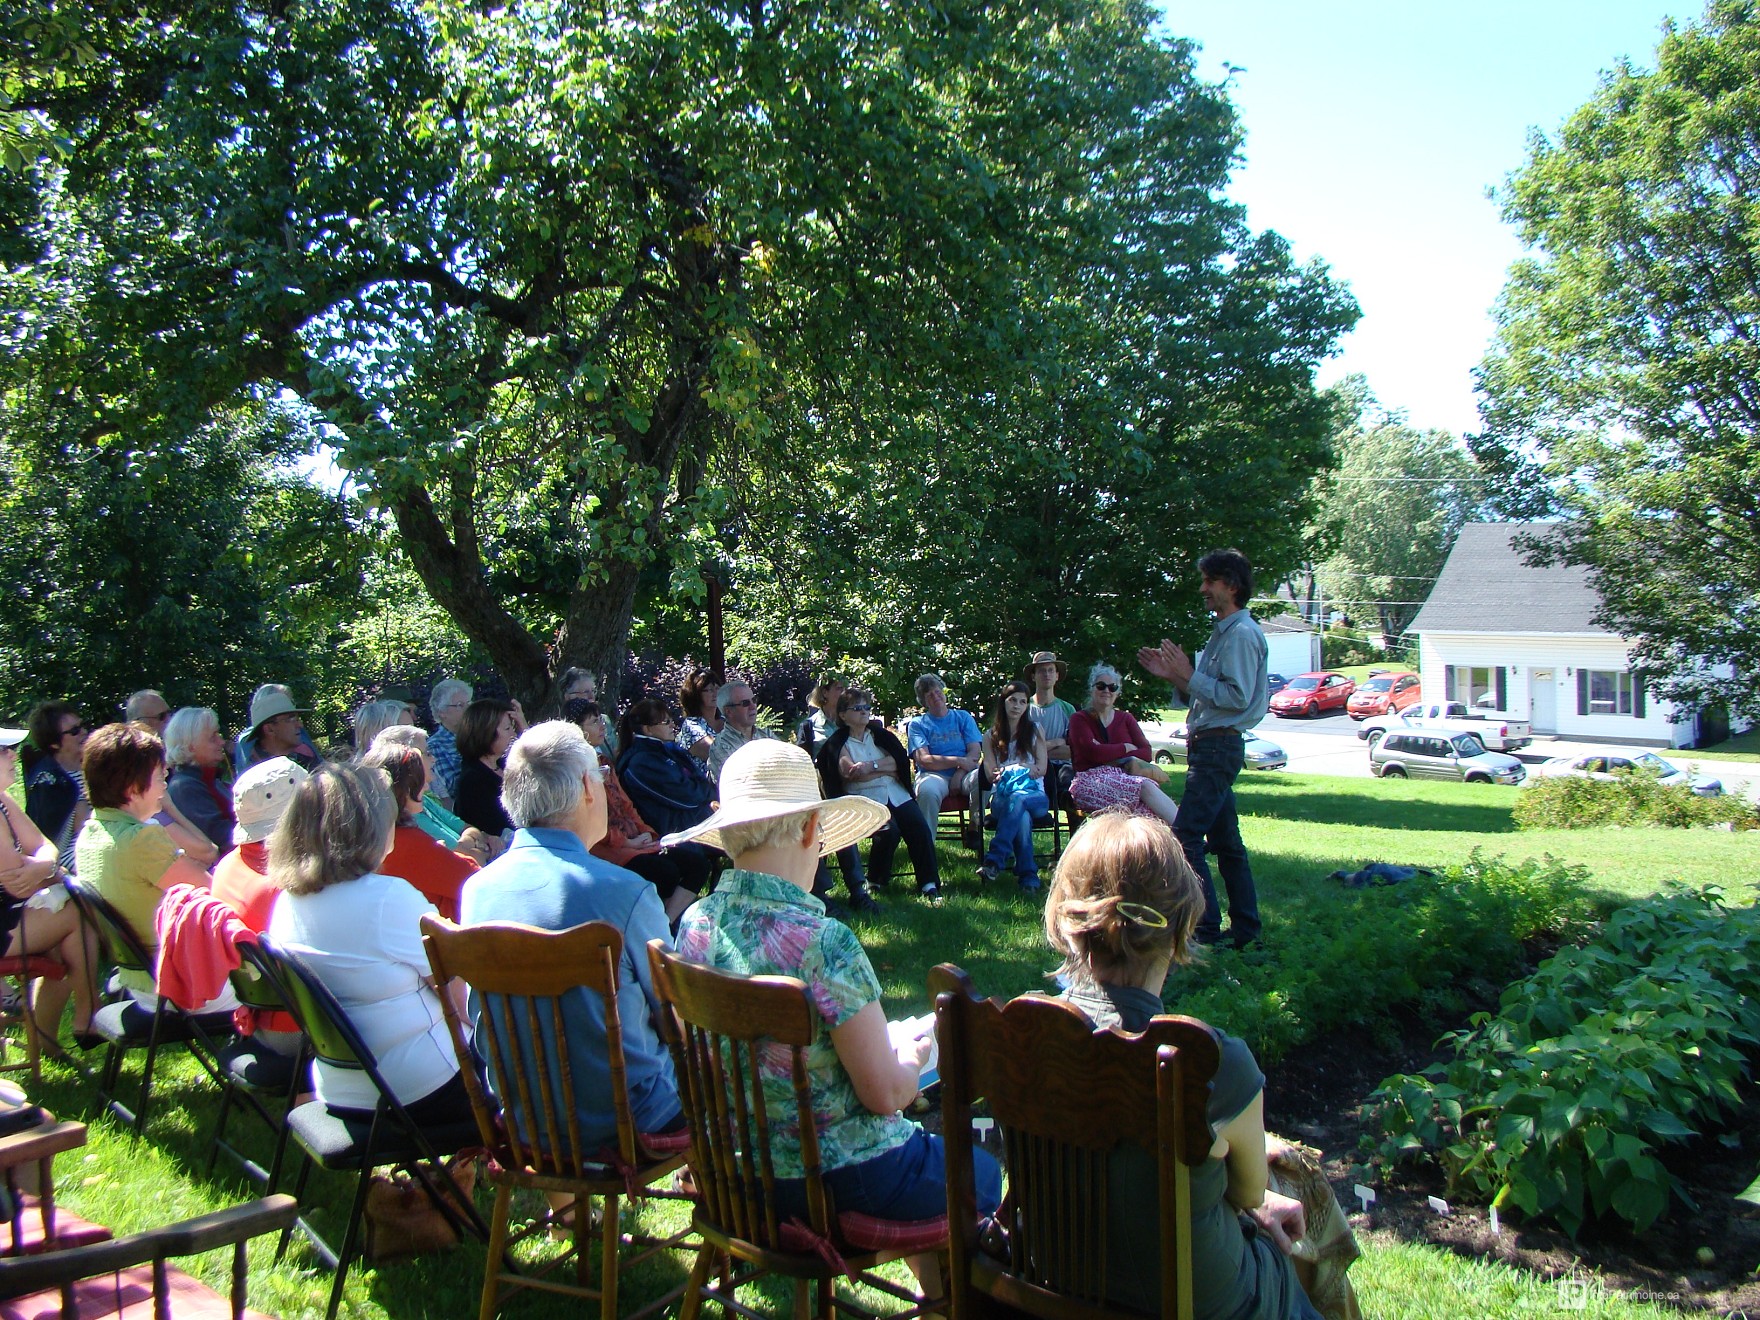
(1309, 694)
(1385, 693)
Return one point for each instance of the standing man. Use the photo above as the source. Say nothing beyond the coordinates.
(446, 703)
(946, 749)
(1226, 690)
(739, 724)
(1051, 714)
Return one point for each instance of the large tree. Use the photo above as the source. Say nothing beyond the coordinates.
(1390, 510)
(1623, 392)
(542, 269)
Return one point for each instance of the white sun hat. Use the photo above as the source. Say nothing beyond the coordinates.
(768, 778)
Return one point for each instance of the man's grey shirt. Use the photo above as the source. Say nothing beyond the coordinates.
(1228, 686)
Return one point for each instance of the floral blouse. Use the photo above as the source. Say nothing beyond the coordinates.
(760, 925)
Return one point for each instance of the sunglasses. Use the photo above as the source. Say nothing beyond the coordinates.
(862, 710)
(1106, 687)
(747, 702)
(76, 729)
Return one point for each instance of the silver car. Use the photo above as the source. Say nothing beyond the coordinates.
(1442, 754)
(1261, 753)
(1606, 763)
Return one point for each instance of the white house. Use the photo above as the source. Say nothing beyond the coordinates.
(1499, 632)
(1292, 643)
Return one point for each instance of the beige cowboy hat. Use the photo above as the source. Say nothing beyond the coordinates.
(1044, 658)
(769, 778)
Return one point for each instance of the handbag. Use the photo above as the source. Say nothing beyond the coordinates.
(402, 1219)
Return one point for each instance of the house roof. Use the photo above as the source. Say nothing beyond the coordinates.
(1285, 623)
(1488, 587)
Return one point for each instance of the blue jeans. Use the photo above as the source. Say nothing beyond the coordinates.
(1015, 813)
(1207, 819)
(907, 1182)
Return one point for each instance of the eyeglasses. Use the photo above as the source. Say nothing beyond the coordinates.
(747, 702)
(1106, 687)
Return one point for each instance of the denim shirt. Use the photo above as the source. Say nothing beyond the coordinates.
(1228, 688)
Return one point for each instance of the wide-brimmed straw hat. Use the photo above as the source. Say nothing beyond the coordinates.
(768, 778)
(1044, 658)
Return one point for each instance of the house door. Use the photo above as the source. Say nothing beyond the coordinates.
(1543, 689)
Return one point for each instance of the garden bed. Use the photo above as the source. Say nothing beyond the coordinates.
(1316, 1093)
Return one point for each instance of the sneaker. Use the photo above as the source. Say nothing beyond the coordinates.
(862, 902)
(987, 872)
(930, 891)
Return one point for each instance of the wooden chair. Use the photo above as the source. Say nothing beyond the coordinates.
(350, 1145)
(24, 972)
(129, 1026)
(524, 978)
(1064, 1098)
(33, 1224)
(718, 1027)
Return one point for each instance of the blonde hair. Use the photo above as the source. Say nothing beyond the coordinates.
(737, 839)
(335, 829)
(1124, 894)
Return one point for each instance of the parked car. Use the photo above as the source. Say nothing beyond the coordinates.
(1385, 693)
(1493, 728)
(1309, 694)
(1262, 753)
(1442, 754)
(1607, 762)
(1276, 683)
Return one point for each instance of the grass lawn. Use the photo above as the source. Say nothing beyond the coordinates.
(1299, 828)
(1742, 747)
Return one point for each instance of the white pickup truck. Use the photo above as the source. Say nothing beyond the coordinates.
(1496, 730)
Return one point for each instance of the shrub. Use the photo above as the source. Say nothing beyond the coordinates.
(1557, 1104)
(1570, 802)
(1411, 945)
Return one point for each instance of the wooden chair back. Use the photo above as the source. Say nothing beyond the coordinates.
(523, 977)
(721, 1030)
(1064, 1096)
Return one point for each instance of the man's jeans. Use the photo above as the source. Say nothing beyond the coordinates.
(1207, 818)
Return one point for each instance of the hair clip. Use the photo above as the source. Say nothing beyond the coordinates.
(1142, 914)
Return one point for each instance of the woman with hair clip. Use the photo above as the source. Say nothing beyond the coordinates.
(1121, 911)
(1015, 760)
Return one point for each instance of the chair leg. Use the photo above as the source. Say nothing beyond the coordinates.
(611, 1238)
(691, 1304)
(220, 1129)
(492, 1263)
(351, 1234)
(140, 1115)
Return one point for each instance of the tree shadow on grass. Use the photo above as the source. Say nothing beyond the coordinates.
(1396, 806)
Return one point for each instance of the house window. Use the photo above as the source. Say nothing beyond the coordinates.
(1478, 685)
(1609, 692)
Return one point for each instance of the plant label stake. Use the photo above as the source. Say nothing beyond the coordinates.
(982, 1127)
(1365, 1195)
(1437, 1204)
(1496, 1227)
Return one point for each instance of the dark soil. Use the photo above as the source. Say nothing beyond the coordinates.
(1316, 1094)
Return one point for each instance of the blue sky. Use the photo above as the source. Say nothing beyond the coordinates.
(1374, 127)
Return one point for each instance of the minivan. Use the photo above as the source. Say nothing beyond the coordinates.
(1442, 754)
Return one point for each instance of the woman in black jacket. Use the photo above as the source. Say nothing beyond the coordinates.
(662, 780)
(864, 757)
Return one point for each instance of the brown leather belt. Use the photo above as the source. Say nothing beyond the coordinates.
(1211, 733)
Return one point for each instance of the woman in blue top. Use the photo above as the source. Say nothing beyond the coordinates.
(1015, 760)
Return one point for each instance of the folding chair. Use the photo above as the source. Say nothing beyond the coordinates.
(252, 1074)
(717, 1027)
(1074, 1106)
(127, 1025)
(352, 1145)
(524, 979)
(24, 972)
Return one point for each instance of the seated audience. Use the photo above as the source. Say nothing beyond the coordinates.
(446, 703)
(739, 724)
(945, 748)
(275, 730)
(677, 874)
(1122, 909)
(550, 879)
(196, 749)
(821, 721)
(35, 915)
(484, 735)
(54, 783)
(358, 930)
(147, 707)
(1052, 714)
(662, 779)
(763, 921)
(1111, 755)
(702, 718)
(1015, 761)
(373, 717)
(259, 797)
(129, 860)
(437, 873)
(864, 758)
(433, 818)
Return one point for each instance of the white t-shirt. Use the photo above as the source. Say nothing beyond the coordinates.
(884, 789)
(362, 940)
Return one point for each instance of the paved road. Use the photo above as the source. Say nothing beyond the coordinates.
(1328, 745)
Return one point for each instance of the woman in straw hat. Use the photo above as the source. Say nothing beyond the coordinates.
(762, 920)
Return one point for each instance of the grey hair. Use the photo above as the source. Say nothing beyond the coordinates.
(183, 729)
(927, 681)
(1103, 670)
(444, 691)
(372, 719)
(131, 710)
(723, 699)
(402, 735)
(334, 830)
(542, 783)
